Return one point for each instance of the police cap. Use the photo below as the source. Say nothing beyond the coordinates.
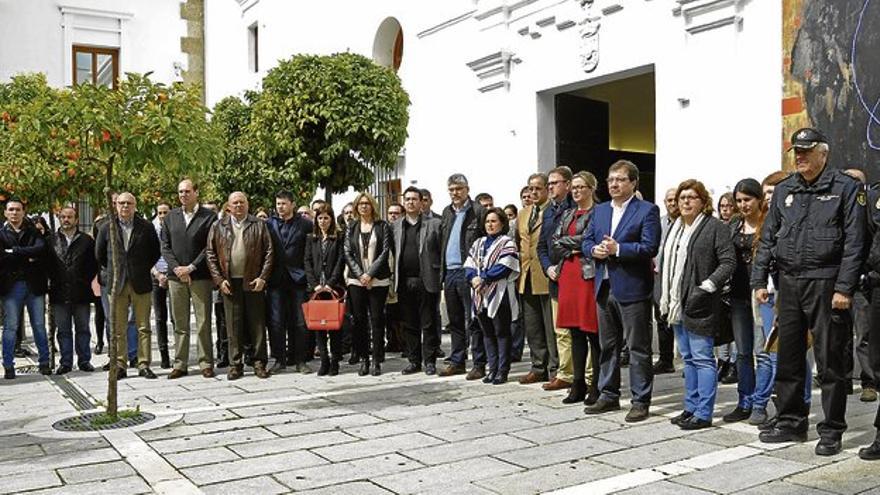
(806, 139)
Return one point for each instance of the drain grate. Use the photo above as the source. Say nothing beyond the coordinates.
(28, 369)
(80, 400)
(85, 422)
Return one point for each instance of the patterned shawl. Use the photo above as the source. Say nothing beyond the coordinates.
(490, 295)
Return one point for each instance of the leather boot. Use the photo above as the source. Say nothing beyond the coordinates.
(576, 393)
(325, 366)
(592, 395)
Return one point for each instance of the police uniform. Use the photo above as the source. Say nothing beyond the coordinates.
(815, 233)
(872, 452)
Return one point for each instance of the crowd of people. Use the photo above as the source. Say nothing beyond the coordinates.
(786, 266)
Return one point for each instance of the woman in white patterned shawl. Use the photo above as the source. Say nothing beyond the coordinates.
(491, 268)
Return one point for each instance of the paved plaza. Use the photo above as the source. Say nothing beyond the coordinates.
(395, 434)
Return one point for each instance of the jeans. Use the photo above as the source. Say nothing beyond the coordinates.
(131, 331)
(744, 336)
(700, 382)
(20, 296)
(73, 332)
(496, 337)
(287, 326)
(463, 327)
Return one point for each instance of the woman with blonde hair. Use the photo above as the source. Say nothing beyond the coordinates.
(368, 244)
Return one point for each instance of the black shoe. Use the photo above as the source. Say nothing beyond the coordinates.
(592, 396)
(410, 369)
(603, 406)
(334, 368)
(133, 363)
(324, 368)
(106, 367)
(249, 360)
(500, 377)
(576, 393)
(87, 367)
(121, 374)
(737, 415)
(222, 363)
(662, 367)
(695, 423)
(277, 366)
(441, 354)
(63, 369)
(828, 446)
(165, 361)
(490, 376)
(768, 425)
(780, 435)
(731, 377)
(45, 369)
(377, 369)
(871, 452)
(19, 352)
(365, 368)
(9, 373)
(99, 348)
(638, 412)
(147, 373)
(353, 359)
(430, 369)
(723, 369)
(681, 418)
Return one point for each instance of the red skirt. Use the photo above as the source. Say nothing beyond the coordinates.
(577, 299)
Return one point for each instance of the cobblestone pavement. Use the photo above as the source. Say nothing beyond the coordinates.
(396, 434)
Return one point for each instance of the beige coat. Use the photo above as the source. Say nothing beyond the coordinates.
(527, 243)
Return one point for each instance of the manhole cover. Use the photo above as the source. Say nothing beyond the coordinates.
(29, 369)
(93, 421)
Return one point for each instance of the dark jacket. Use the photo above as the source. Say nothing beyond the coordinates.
(814, 231)
(326, 269)
(290, 250)
(710, 257)
(563, 246)
(474, 227)
(27, 259)
(71, 272)
(143, 252)
(430, 238)
(552, 218)
(184, 245)
(260, 256)
(631, 271)
(384, 246)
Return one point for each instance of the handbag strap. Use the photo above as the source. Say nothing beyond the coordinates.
(333, 294)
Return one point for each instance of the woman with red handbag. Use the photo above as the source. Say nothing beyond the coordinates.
(323, 262)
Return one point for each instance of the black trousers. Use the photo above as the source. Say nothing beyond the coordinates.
(335, 338)
(581, 343)
(368, 308)
(222, 341)
(805, 304)
(665, 338)
(497, 337)
(160, 312)
(874, 344)
(100, 320)
(418, 307)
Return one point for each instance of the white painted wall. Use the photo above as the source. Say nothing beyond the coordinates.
(731, 75)
(32, 36)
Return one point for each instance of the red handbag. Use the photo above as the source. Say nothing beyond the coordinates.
(325, 310)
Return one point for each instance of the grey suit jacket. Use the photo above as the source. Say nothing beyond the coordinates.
(430, 240)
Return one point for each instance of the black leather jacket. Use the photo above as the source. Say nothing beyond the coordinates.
(564, 246)
(379, 269)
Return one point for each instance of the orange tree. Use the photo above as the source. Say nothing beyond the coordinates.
(86, 141)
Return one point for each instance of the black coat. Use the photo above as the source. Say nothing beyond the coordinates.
(27, 257)
(329, 266)
(184, 245)
(71, 273)
(380, 268)
(143, 252)
(290, 251)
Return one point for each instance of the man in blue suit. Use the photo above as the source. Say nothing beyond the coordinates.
(623, 238)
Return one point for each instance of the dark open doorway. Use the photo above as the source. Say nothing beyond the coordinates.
(598, 125)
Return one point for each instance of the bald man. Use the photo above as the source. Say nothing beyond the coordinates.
(240, 259)
(139, 251)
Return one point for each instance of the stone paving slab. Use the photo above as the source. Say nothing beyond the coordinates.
(262, 485)
(554, 453)
(741, 474)
(132, 485)
(216, 455)
(360, 488)
(848, 476)
(445, 475)
(246, 468)
(197, 442)
(549, 478)
(467, 449)
(655, 454)
(287, 444)
(663, 488)
(17, 483)
(377, 446)
(105, 471)
(345, 472)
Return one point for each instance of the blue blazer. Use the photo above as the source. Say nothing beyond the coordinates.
(638, 235)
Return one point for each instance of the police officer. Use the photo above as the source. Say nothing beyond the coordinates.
(872, 452)
(815, 231)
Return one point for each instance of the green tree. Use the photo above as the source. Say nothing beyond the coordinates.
(143, 136)
(330, 120)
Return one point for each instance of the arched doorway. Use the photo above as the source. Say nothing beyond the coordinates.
(388, 44)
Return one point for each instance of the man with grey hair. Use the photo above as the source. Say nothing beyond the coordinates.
(462, 223)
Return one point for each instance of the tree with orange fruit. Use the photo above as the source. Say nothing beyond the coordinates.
(59, 145)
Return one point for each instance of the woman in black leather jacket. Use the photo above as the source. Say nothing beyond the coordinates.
(324, 260)
(368, 244)
(577, 299)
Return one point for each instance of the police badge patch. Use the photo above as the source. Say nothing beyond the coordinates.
(861, 198)
(789, 200)
(877, 204)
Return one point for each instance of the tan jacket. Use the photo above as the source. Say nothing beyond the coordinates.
(530, 265)
(257, 244)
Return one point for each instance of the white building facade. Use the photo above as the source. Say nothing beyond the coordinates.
(503, 88)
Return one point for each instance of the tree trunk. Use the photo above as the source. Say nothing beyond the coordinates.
(328, 195)
(112, 407)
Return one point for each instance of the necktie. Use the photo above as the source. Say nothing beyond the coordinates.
(533, 218)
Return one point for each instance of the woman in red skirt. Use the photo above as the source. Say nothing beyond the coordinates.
(577, 299)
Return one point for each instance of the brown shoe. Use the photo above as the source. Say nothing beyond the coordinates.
(234, 373)
(261, 371)
(453, 369)
(476, 373)
(532, 377)
(176, 373)
(556, 384)
(208, 373)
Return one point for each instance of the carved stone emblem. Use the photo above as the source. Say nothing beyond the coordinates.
(588, 29)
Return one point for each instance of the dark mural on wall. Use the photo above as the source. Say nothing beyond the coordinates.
(835, 67)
